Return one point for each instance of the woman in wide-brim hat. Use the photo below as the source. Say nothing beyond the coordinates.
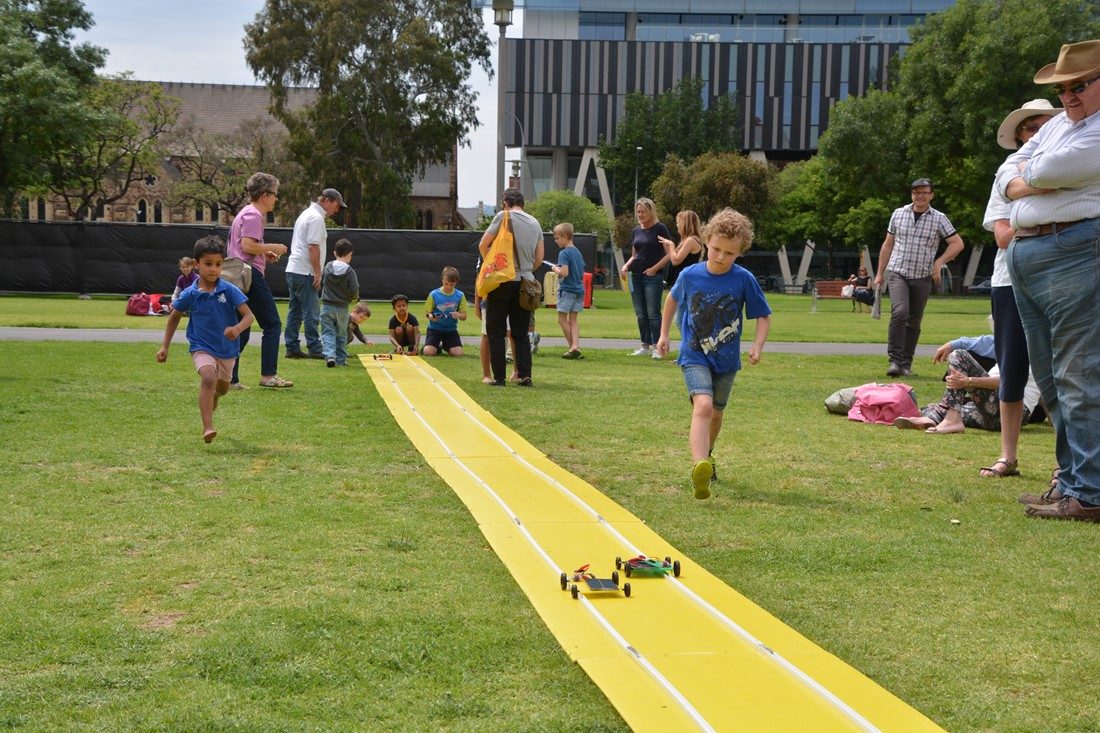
(1031, 115)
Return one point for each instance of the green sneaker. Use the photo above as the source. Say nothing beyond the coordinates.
(700, 478)
(713, 468)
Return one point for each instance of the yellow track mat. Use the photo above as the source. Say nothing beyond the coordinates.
(687, 653)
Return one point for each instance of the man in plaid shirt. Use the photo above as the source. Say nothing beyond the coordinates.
(908, 265)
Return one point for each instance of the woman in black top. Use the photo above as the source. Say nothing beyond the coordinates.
(644, 269)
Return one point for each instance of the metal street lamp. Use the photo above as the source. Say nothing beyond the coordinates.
(637, 153)
(502, 17)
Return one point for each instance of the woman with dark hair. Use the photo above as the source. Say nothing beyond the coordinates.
(644, 270)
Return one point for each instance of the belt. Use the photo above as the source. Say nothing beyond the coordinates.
(1044, 229)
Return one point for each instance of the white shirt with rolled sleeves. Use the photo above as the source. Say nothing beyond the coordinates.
(998, 207)
(309, 229)
(1064, 156)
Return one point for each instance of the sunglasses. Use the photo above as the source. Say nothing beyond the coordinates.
(273, 193)
(1077, 88)
(1033, 127)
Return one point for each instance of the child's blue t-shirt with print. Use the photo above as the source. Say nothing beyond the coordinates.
(574, 281)
(444, 307)
(210, 315)
(713, 308)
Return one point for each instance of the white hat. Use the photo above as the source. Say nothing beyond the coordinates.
(1006, 133)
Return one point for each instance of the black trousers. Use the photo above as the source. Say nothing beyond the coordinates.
(502, 309)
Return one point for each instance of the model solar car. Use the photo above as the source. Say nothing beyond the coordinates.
(648, 566)
(592, 584)
(382, 357)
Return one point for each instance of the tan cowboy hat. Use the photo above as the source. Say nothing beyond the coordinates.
(1006, 133)
(1074, 60)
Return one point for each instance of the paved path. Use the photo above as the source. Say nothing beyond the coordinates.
(142, 335)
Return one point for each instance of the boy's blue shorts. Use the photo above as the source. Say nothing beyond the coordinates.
(701, 380)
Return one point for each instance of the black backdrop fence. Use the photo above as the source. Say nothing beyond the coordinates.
(99, 257)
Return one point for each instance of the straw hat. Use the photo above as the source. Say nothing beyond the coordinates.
(1074, 60)
(1006, 133)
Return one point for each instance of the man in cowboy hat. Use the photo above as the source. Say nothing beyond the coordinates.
(1054, 266)
(905, 264)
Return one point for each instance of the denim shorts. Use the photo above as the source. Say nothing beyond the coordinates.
(701, 380)
(570, 302)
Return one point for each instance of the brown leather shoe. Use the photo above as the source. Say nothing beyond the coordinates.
(1051, 496)
(1067, 508)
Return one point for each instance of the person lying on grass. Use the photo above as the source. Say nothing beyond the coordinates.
(212, 329)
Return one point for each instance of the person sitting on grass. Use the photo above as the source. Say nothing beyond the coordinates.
(218, 314)
(570, 270)
(970, 401)
(717, 295)
(404, 328)
(446, 306)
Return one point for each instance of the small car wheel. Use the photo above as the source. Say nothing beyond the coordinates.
(628, 570)
(618, 563)
(574, 592)
(676, 568)
(615, 577)
(626, 590)
(564, 581)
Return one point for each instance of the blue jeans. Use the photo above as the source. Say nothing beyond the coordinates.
(262, 304)
(303, 310)
(1056, 280)
(701, 380)
(645, 293)
(334, 332)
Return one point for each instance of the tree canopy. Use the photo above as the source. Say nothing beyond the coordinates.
(43, 77)
(554, 207)
(674, 122)
(393, 91)
(965, 70)
(712, 182)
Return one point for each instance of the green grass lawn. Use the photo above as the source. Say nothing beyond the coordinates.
(612, 317)
(307, 571)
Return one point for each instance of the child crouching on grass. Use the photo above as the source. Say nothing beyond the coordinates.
(212, 329)
(714, 295)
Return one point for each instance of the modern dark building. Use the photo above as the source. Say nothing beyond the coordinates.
(786, 62)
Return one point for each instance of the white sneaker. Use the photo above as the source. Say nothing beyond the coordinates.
(656, 356)
(642, 351)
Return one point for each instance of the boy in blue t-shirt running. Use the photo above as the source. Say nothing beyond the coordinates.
(446, 306)
(212, 329)
(713, 295)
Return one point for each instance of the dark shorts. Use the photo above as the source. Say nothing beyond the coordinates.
(449, 339)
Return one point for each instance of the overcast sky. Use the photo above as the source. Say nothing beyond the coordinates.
(201, 41)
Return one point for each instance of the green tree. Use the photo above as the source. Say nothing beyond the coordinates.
(393, 91)
(713, 181)
(802, 207)
(42, 78)
(965, 70)
(215, 167)
(554, 207)
(123, 144)
(674, 122)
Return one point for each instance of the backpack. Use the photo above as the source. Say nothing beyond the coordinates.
(883, 403)
(138, 305)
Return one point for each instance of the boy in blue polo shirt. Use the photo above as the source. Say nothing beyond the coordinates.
(446, 306)
(715, 297)
(212, 329)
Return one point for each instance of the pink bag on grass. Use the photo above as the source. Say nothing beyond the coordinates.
(883, 403)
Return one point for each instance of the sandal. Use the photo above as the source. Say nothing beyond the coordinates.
(276, 382)
(1011, 468)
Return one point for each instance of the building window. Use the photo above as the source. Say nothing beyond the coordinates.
(41, 209)
(100, 211)
(429, 220)
(142, 211)
(271, 217)
(199, 213)
(215, 212)
(602, 26)
(158, 213)
(24, 209)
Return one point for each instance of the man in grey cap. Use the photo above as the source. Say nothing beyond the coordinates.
(303, 274)
(908, 265)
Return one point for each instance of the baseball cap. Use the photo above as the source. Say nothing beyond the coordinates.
(921, 182)
(333, 194)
